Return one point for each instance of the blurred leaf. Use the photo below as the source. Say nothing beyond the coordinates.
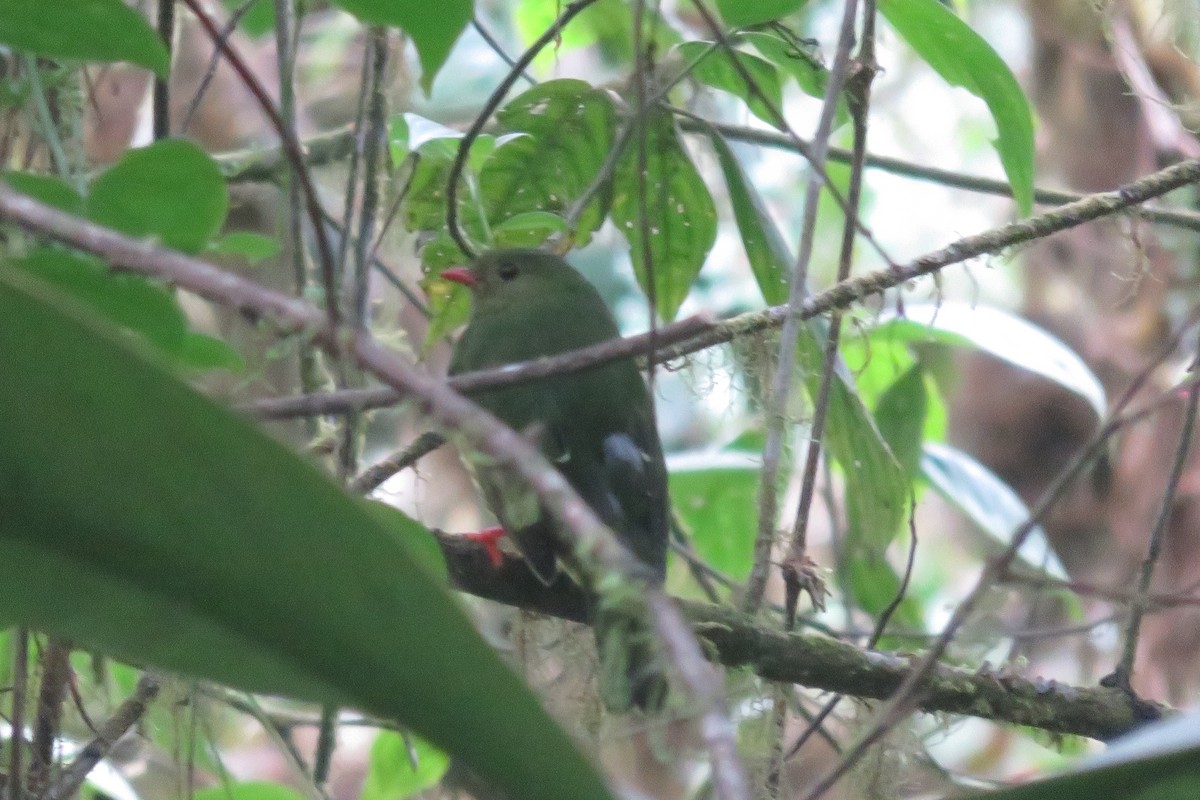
(433, 30)
(131, 301)
(200, 544)
(203, 352)
(171, 191)
(900, 415)
(738, 13)
(963, 58)
(425, 205)
(680, 217)
(1005, 336)
(605, 24)
(714, 494)
(877, 490)
(529, 229)
(418, 541)
(875, 585)
(988, 502)
(248, 790)
(1160, 761)
(715, 66)
(390, 773)
(770, 259)
(88, 30)
(50, 190)
(794, 57)
(449, 303)
(254, 247)
(571, 129)
(258, 20)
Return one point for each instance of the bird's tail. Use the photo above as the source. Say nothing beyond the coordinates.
(631, 672)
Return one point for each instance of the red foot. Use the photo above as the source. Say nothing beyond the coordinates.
(489, 537)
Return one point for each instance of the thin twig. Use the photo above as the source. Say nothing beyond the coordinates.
(493, 102)
(379, 473)
(214, 61)
(291, 148)
(162, 97)
(776, 401)
(111, 730)
(16, 715)
(1137, 606)
(907, 695)
(499, 50)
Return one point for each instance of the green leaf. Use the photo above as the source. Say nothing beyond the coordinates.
(900, 415)
(874, 585)
(425, 207)
(433, 29)
(390, 772)
(766, 250)
(988, 502)
(449, 303)
(201, 351)
(529, 229)
(254, 247)
(1005, 336)
(258, 20)
(199, 544)
(1160, 761)
(248, 790)
(131, 301)
(963, 58)
(88, 30)
(571, 127)
(172, 191)
(50, 190)
(680, 218)
(715, 66)
(877, 489)
(714, 494)
(739, 13)
(795, 57)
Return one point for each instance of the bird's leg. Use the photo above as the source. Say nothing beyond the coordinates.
(490, 538)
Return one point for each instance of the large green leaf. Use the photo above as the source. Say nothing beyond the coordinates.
(987, 501)
(171, 190)
(680, 223)
(1003, 335)
(963, 58)
(768, 254)
(714, 494)
(738, 13)
(141, 519)
(401, 766)
(88, 30)
(1158, 762)
(433, 28)
(570, 127)
(877, 489)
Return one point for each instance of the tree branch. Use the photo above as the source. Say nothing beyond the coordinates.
(737, 640)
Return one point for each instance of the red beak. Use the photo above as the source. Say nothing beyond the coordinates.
(461, 275)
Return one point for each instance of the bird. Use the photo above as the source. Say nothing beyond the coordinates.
(596, 426)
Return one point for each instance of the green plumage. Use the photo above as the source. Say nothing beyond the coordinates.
(596, 426)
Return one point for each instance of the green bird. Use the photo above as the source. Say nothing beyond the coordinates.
(596, 426)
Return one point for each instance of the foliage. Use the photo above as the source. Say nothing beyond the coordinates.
(146, 522)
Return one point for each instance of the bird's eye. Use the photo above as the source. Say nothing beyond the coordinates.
(507, 271)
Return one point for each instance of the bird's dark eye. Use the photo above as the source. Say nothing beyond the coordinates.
(507, 271)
